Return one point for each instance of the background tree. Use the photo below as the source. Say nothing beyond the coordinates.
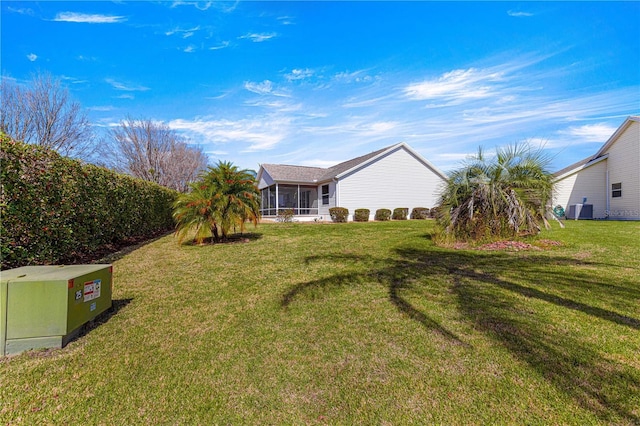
(224, 198)
(152, 151)
(501, 196)
(42, 113)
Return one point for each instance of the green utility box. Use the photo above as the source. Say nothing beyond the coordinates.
(45, 306)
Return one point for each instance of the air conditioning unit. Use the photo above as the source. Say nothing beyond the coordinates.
(46, 306)
(580, 211)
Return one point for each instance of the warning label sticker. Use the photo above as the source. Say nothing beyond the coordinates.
(92, 290)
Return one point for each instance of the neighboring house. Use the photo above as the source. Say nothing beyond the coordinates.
(609, 180)
(392, 177)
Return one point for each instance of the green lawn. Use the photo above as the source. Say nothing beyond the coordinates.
(358, 323)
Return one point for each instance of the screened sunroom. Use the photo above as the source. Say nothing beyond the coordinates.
(302, 199)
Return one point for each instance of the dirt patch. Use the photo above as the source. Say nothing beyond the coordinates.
(509, 245)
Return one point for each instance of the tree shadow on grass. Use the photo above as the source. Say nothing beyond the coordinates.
(245, 237)
(396, 276)
(489, 289)
(125, 249)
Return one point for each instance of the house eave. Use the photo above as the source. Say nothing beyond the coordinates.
(581, 167)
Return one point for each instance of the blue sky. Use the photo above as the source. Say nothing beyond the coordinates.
(317, 83)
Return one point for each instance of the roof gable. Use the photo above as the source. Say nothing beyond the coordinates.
(314, 175)
(602, 152)
(630, 120)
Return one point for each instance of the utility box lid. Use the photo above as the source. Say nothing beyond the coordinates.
(49, 273)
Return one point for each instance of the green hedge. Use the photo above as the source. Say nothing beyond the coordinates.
(420, 213)
(383, 214)
(361, 215)
(338, 214)
(54, 209)
(400, 213)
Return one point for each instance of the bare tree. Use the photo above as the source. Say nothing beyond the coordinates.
(152, 151)
(44, 114)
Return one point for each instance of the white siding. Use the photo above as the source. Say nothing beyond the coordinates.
(590, 183)
(265, 180)
(397, 179)
(624, 167)
(323, 209)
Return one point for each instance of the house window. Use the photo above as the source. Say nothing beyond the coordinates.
(616, 190)
(325, 195)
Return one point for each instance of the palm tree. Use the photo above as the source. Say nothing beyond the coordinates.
(194, 211)
(236, 199)
(497, 197)
(223, 198)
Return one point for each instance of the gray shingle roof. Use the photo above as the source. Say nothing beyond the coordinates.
(286, 173)
(302, 174)
(572, 166)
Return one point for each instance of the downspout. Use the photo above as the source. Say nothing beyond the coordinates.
(606, 192)
(337, 195)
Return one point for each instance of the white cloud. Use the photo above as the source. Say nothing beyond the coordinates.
(186, 33)
(517, 14)
(458, 84)
(261, 133)
(21, 10)
(276, 105)
(86, 58)
(128, 87)
(597, 133)
(285, 20)
(258, 37)
(220, 46)
(101, 108)
(363, 128)
(263, 88)
(190, 49)
(352, 103)
(299, 74)
(217, 153)
(32, 57)
(200, 5)
(359, 76)
(88, 18)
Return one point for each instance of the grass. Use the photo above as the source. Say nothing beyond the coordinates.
(359, 323)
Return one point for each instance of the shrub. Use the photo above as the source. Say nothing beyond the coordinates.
(338, 214)
(419, 213)
(400, 213)
(54, 209)
(361, 215)
(383, 214)
(434, 213)
(285, 215)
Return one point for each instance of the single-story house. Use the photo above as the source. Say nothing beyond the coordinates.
(392, 177)
(606, 185)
